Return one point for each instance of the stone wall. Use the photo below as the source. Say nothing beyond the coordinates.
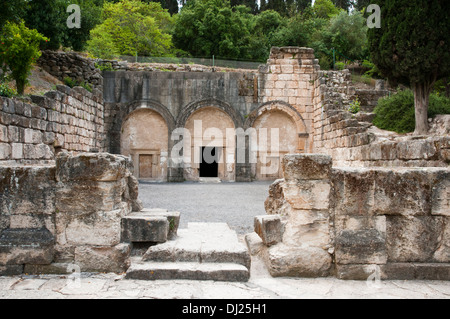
(73, 65)
(57, 217)
(352, 140)
(356, 223)
(31, 131)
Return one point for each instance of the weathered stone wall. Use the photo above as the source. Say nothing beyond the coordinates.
(356, 223)
(68, 119)
(73, 65)
(352, 140)
(57, 217)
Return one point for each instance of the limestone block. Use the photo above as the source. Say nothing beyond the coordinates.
(414, 239)
(5, 151)
(16, 150)
(138, 228)
(353, 191)
(269, 228)
(442, 253)
(307, 227)
(99, 228)
(275, 200)
(103, 259)
(307, 194)
(26, 246)
(88, 197)
(173, 218)
(440, 200)
(306, 166)
(102, 167)
(284, 260)
(367, 246)
(133, 191)
(20, 193)
(402, 192)
(254, 243)
(4, 134)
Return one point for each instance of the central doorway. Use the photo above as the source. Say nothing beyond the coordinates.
(209, 162)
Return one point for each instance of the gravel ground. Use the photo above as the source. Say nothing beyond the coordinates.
(234, 203)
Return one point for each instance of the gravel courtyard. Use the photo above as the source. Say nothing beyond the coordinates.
(232, 203)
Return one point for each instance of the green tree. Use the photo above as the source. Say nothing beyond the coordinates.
(412, 47)
(49, 18)
(348, 34)
(12, 10)
(132, 27)
(91, 16)
(19, 49)
(324, 9)
(212, 27)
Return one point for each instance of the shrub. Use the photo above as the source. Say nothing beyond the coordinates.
(396, 113)
(355, 106)
(339, 65)
(6, 91)
(19, 49)
(70, 82)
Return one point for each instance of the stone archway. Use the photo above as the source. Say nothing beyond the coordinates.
(145, 137)
(279, 130)
(211, 132)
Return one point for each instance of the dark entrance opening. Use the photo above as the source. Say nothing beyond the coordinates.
(209, 164)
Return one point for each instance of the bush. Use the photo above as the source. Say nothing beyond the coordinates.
(19, 49)
(339, 65)
(6, 91)
(396, 113)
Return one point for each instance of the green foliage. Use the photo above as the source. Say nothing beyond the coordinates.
(91, 14)
(69, 82)
(396, 113)
(104, 67)
(73, 83)
(19, 49)
(212, 27)
(339, 65)
(355, 106)
(412, 45)
(132, 27)
(12, 11)
(348, 34)
(325, 9)
(6, 91)
(49, 18)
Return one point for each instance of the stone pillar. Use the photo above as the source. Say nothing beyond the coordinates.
(92, 197)
(296, 238)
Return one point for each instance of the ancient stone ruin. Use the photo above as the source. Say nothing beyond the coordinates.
(348, 200)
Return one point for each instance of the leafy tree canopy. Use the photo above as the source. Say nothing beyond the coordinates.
(413, 47)
(132, 27)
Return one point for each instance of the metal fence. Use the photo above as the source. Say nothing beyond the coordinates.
(211, 61)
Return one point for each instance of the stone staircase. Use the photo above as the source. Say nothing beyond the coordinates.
(202, 251)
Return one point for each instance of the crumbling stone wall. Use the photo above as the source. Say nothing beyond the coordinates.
(356, 223)
(57, 217)
(352, 140)
(65, 119)
(73, 65)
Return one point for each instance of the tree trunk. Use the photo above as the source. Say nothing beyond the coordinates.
(421, 99)
(20, 85)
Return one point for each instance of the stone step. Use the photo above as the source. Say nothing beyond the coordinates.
(202, 243)
(202, 251)
(188, 270)
(150, 225)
